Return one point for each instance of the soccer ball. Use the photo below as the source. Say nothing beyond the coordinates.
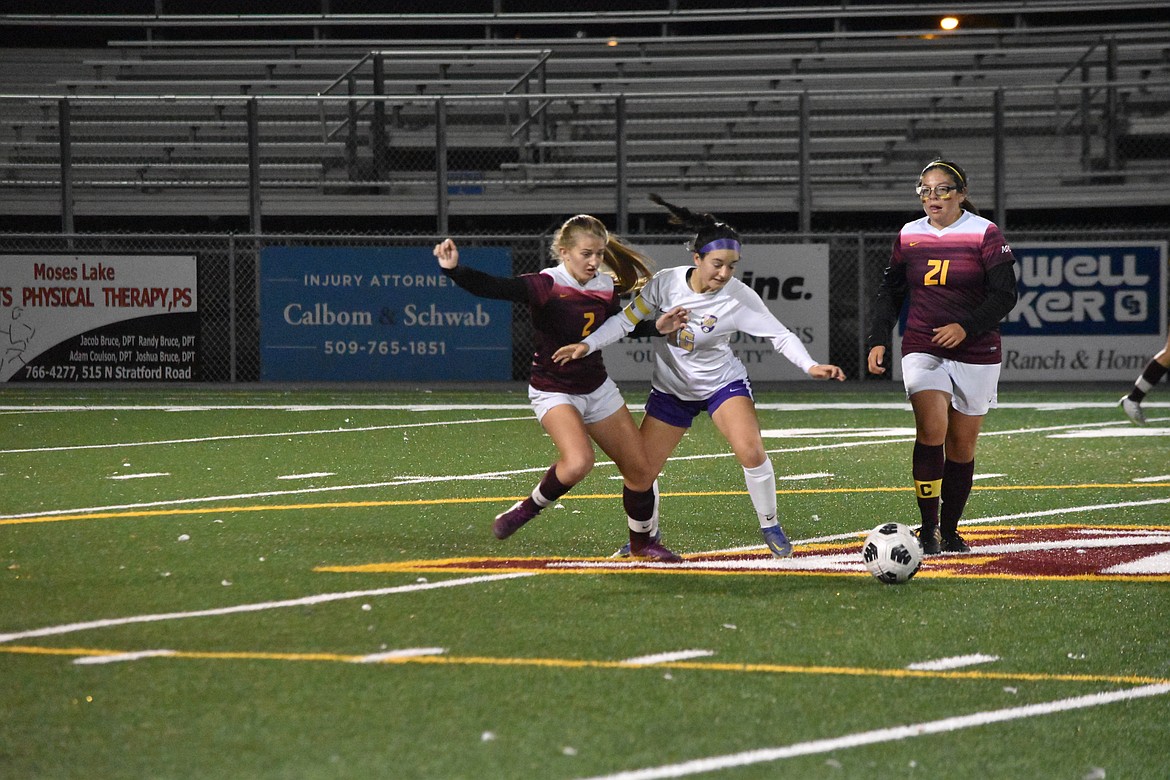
(892, 553)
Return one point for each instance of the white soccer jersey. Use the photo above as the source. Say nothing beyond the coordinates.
(697, 360)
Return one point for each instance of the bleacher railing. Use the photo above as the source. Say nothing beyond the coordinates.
(800, 151)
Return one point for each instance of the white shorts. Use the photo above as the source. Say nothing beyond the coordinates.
(972, 387)
(594, 407)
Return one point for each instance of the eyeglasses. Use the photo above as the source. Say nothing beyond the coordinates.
(941, 191)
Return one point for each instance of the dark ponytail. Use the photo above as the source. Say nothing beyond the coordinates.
(706, 226)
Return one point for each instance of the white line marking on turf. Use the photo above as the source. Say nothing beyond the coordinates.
(241, 436)
(409, 652)
(878, 736)
(141, 476)
(274, 493)
(311, 475)
(1161, 478)
(469, 477)
(995, 519)
(988, 476)
(665, 658)
(320, 598)
(1109, 433)
(114, 658)
(954, 662)
(1159, 563)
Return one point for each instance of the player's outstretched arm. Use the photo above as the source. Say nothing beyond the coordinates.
(570, 352)
(825, 371)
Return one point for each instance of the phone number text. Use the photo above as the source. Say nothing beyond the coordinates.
(390, 348)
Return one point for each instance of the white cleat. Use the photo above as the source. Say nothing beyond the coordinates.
(1133, 410)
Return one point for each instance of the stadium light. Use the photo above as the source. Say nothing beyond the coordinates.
(949, 23)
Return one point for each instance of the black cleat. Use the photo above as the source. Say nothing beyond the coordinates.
(930, 539)
(953, 543)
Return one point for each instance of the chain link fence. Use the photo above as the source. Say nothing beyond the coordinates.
(229, 267)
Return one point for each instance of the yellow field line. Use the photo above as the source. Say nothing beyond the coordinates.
(498, 499)
(578, 663)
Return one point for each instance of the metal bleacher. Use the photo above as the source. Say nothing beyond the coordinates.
(765, 122)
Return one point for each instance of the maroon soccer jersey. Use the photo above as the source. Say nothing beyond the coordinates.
(946, 274)
(565, 312)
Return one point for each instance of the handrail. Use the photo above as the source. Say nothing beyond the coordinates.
(346, 75)
(1080, 61)
(833, 93)
(527, 75)
(1150, 29)
(608, 18)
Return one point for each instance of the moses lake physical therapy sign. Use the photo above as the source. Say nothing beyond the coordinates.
(1087, 311)
(792, 280)
(386, 313)
(75, 318)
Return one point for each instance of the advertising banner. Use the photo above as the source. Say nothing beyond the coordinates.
(373, 314)
(793, 281)
(1087, 312)
(73, 318)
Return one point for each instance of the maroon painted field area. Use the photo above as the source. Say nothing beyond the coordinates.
(1106, 553)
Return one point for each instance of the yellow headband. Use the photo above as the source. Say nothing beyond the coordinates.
(959, 178)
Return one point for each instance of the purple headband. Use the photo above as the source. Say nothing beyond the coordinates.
(720, 243)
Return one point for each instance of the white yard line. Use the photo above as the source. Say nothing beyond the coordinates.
(320, 598)
(976, 521)
(272, 493)
(665, 658)
(879, 736)
(954, 662)
(408, 652)
(241, 436)
(116, 658)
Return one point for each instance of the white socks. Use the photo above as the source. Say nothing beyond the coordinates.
(761, 485)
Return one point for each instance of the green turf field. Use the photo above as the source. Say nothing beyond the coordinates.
(264, 583)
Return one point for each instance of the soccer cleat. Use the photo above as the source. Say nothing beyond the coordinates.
(931, 540)
(1133, 410)
(624, 550)
(777, 542)
(656, 552)
(953, 543)
(508, 523)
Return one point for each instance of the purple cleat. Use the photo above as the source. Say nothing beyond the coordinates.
(654, 551)
(508, 523)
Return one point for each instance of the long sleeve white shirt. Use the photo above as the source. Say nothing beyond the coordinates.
(698, 360)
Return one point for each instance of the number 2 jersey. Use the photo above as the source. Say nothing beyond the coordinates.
(564, 311)
(962, 273)
(698, 360)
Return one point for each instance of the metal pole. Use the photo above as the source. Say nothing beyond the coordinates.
(351, 138)
(254, 166)
(65, 132)
(378, 134)
(804, 196)
(1086, 123)
(232, 304)
(862, 308)
(998, 163)
(1112, 106)
(621, 212)
(442, 195)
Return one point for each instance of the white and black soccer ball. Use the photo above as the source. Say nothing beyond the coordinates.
(892, 553)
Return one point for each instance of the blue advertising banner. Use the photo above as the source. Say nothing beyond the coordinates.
(1089, 290)
(371, 314)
